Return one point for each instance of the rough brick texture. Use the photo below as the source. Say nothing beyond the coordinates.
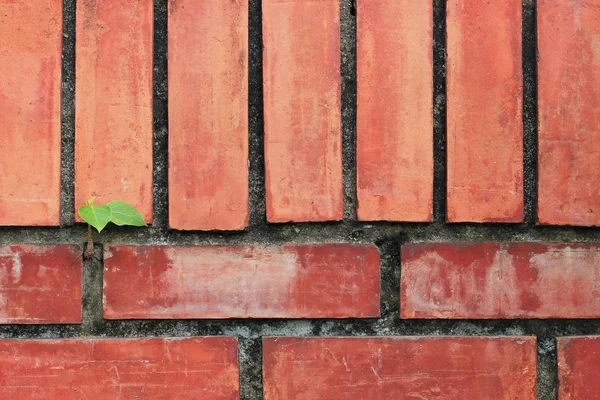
(208, 114)
(500, 280)
(113, 122)
(569, 112)
(484, 106)
(394, 143)
(578, 364)
(30, 80)
(316, 281)
(40, 284)
(399, 368)
(191, 368)
(303, 153)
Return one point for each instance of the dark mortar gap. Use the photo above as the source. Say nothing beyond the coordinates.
(160, 106)
(92, 292)
(256, 159)
(530, 146)
(348, 98)
(547, 369)
(250, 364)
(439, 111)
(308, 233)
(67, 154)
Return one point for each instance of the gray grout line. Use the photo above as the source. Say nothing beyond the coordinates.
(160, 117)
(349, 106)
(67, 159)
(256, 160)
(530, 122)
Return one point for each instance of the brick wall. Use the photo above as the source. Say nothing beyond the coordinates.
(392, 199)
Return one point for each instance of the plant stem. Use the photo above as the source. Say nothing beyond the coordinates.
(89, 250)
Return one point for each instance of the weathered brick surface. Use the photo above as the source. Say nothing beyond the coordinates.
(113, 122)
(578, 365)
(208, 114)
(395, 118)
(95, 369)
(30, 79)
(398, 368)
(569, 112)
(40, 284)
(303, 154)
(484, 111)
(303, 281)
(500, 280)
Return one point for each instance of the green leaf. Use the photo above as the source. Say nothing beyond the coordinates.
(124, 214)
(96, 216)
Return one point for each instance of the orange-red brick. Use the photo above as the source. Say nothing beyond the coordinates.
(98, 369)
(500, 280)
(296, 281)
(30, 90)
(569, 112)
(484, 111)
(399, 368)
(113, 118)
(395, 117)
(40, 284)
(208, 114)
(303, 153)
(578, 365)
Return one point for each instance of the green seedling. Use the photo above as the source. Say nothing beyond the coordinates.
(98, 216)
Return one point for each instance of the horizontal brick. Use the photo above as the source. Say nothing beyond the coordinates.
(485, 107)
(568, 34)
(578, 366)
(113, 113)
(40, 284)
(394, 138)
(208, 114)
(190, 368)
(302, 110)
(399, 368)
(299, 281)
(30, 90)
(500, 280)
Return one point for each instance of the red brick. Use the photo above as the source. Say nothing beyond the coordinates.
(40, 284)
(296, 281)
(399, 368)
(578, 365)
(484, 106)
(30, 90)
(208, 114)
(303, 154)
(569, 112)
(113, 132)
(394, 148)
(95, 369)
(500, 280)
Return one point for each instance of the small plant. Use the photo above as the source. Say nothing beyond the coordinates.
(98, 216)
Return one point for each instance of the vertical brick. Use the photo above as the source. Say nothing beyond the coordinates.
(569, 112)
(302, 110)
(578, 365)
(500, 280)
(485, 97)
(208, 114)
(30, 90)
(395, 116)
(299, 281)
(113, 131)
(399, 368)
(40, 284)
(190, 368)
